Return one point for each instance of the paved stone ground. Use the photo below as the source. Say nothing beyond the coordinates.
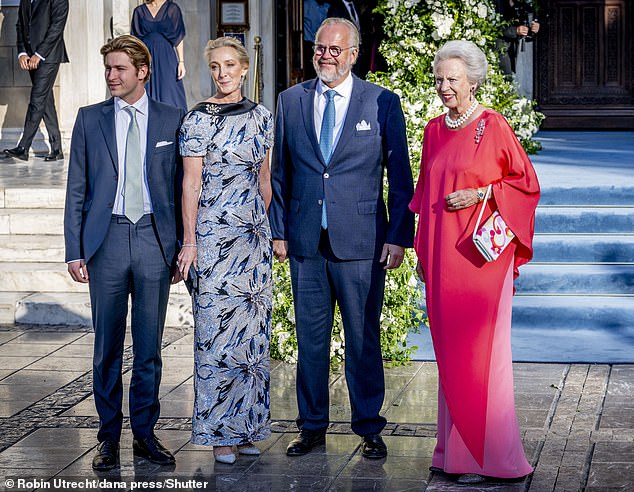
(577, 423)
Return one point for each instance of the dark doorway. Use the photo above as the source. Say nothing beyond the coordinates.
(585, 64)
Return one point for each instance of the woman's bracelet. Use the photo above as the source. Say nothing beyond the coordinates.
(188, 245)
(181, 61)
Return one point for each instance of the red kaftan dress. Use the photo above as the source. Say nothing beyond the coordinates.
(469, 299)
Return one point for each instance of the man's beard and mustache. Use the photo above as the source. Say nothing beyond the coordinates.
(328, 76)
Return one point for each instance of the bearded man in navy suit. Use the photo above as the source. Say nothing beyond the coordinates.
(335, 137)
(120, 228)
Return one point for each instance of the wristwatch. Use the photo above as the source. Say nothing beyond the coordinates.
(480, 194)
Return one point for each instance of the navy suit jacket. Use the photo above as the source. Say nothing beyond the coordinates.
(352, 184)
(93, 174)
(40, 28)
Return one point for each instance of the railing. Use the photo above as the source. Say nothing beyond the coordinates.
(258, 83)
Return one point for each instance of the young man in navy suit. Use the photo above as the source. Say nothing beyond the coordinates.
(120, 228)
(41, 49)
(335, 137)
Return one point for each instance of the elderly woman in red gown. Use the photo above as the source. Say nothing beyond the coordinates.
(468, 298)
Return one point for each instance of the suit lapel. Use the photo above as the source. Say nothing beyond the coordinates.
(353, 116)
(154, 126)
(107, 125)
(307, 102)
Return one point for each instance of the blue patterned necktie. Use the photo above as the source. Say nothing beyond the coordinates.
(133, 185)
(326, 137)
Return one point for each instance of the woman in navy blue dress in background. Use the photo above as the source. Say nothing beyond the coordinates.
(159, 24)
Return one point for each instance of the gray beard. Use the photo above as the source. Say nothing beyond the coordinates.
(340, 71)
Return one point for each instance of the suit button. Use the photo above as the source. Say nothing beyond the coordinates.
(320, 202)
(326, 175)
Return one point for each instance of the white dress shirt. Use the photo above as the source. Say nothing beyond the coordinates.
(122, 122)
(342, 101)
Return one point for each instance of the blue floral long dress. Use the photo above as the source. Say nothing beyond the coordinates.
(232, 310)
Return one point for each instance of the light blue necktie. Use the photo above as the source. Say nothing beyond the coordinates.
(326, 137)
(133, 186)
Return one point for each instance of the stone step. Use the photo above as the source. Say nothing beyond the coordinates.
(31, 248)
(31, 221)
(552, 312)
(46, 277)
(588, 194)
(54, 308)
(32, 198)
(536, 278)
(584, 248)
(553, 219)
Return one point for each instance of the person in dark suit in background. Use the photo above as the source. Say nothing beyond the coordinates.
(120, 228)
(41, 49)
(335, 136)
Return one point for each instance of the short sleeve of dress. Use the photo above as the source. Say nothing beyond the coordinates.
(268, 130)
(193, 139)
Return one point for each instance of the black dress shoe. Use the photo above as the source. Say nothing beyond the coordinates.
(107, 456)
(17, 152)
(152, 450)
(373, 447)
(305, 441)
(55, 155)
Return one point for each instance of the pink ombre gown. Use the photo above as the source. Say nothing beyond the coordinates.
(468, 299)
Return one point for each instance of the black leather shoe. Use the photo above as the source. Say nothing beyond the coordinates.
(55, 155)
(17, 152)
(373, 447)
(305, 441)
(152, 450)
(107, 456)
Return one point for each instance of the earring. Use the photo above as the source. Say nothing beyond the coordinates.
(241, 80)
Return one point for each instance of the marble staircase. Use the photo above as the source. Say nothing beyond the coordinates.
(35, 287)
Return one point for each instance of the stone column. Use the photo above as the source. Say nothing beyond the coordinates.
(261, 24)
(81, 81)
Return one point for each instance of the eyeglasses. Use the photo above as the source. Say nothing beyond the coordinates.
(335, 51)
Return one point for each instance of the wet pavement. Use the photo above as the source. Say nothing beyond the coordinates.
(577, 423)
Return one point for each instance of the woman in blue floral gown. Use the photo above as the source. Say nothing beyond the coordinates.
(225, 144)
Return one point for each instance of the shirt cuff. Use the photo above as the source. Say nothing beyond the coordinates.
(74, 261)
(23, 53)
(40, 56)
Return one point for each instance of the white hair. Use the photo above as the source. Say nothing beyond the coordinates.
(473, 57)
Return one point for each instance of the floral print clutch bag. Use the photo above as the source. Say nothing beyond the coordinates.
(494, 235)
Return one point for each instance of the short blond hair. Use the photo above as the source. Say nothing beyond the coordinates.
(227, 42)
(133, 47)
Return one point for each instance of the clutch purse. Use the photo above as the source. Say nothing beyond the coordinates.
(192, 281)
(494, 235)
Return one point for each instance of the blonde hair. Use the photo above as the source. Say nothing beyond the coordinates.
(133, 47)
(227, 42)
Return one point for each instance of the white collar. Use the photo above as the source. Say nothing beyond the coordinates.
(141, 105)
(344, 89)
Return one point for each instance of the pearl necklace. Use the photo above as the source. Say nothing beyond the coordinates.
(453, 124)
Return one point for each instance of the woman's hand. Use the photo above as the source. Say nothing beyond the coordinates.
(186, 257)
(462, 199)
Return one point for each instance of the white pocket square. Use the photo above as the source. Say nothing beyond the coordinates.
(363, 126)
(163, 143)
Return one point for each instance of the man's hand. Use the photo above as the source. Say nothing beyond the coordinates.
(34, 62)
(78, 271)
(24, 62)
(280, 250)
(176, 275)
(392, 255)
(522, 31)
(181, 70)
(534, 27)
(420, 272)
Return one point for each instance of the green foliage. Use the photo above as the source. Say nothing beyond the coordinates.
(415, 30)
